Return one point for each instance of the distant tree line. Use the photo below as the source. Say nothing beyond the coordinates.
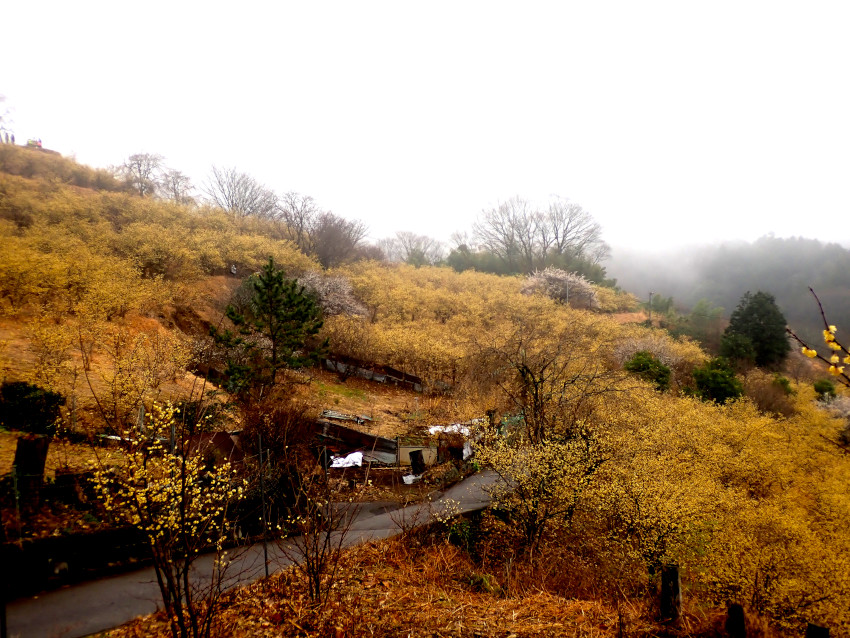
(513, 237)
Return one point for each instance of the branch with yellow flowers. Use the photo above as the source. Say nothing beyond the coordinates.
(836, 364)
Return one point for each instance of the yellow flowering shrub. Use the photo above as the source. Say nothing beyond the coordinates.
(612, 301)
(180, 505)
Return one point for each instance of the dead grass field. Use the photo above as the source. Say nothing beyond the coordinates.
(402, 587)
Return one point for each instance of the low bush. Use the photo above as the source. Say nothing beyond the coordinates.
(649, 368)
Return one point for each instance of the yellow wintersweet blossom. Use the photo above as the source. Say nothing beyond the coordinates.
(834, 345)
(180, 505)
(836, 370)
(833, 358)
(809, 352)
(828, 336)
(833, 329)
(847, 359)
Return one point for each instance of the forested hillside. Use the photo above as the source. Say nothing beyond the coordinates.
(720, 275)
(620, 450)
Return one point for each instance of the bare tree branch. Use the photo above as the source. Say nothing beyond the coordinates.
(176, 186)
(141, 171)
(240, 194)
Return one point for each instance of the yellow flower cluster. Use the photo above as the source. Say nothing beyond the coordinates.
(809, 352)
(829, 338)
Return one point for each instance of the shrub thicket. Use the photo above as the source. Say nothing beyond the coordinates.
(648, 367)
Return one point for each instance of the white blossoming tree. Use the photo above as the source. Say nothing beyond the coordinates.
(567, 287)
(334, 294)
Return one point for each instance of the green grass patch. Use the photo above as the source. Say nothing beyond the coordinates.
(326, 391)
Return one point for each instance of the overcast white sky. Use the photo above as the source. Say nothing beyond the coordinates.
(671, 122)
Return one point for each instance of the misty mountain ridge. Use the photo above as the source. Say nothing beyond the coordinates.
(722, 273)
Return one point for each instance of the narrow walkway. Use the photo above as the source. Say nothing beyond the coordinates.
(96, 606)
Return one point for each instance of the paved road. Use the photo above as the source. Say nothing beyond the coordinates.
(96, 606)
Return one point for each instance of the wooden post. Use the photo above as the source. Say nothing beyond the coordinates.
(736, 625)
(30, 458)
(671, 593)
(263, 506)
(814, 631)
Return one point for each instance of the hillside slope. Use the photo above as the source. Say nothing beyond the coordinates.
(108, 298)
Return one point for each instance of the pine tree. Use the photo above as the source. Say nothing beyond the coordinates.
(277, 329)
(759, 320)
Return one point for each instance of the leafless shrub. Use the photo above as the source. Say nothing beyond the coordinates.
(319, 525)
(768, 393)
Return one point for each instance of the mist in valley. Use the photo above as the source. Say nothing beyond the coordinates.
(722, 273)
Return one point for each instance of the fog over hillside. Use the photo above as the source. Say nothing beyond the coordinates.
(722, 273)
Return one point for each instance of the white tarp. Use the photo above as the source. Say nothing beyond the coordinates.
(355, 459)
(457, 428)
(410, 479)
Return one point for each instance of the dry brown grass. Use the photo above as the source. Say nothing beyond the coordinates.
(629, 317)
(393, 411)
(387, 590)
(402, 588)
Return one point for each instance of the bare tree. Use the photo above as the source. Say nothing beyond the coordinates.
(497, 229)
(299, 213)
(368, 252)
(335, 239)
(459, 239)
(524, 237)
(413, 249)
(573, 229)
(141, 171)
(5, 116)
(176, 186)
(549, 372)
(240, 194)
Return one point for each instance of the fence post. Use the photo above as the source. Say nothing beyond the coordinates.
(736, 624)
(17, 499)
(671, 592)
(263, 506)
(815, 631)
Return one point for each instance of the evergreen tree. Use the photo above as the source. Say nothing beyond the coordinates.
(648, 367)
(716, 381)
(276, 329)
(759, 320)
